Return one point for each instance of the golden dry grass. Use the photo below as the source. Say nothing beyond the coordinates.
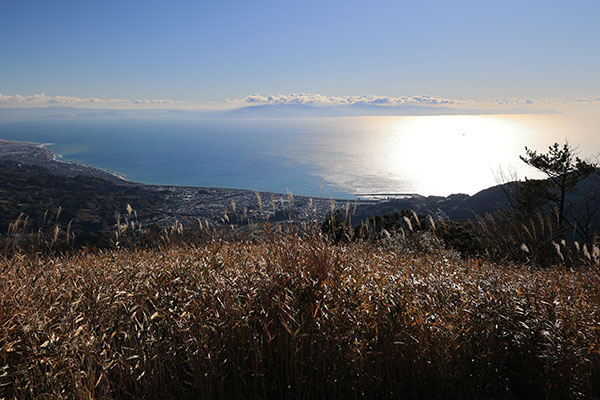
(291, 316)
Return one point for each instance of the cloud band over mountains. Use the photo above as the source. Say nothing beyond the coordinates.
(41, 99)
(320, 100)
(315, 100)
(425, 100)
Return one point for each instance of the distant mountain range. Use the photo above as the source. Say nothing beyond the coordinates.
(282, 110)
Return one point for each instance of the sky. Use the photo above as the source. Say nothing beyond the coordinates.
(187, 54)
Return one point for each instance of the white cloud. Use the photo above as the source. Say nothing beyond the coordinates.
(424, 100)
(321, 100)
(41, 99)
(587, 99)
(550, 101)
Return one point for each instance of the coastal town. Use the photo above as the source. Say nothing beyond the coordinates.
(188, 206)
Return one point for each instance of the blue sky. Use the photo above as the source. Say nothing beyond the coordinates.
(195, 52)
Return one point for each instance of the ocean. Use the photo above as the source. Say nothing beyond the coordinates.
(329, 157)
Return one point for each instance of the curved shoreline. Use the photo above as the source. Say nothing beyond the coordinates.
(185, 204)
(59, 158)
(39, 154)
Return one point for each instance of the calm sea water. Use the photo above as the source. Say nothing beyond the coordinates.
(337, 157)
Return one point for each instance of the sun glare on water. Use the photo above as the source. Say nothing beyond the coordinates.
(450, 154)
(435, 155)
(438, 155)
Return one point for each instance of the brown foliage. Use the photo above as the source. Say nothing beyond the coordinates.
(294, 316)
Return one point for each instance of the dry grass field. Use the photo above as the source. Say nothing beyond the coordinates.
(294, 316)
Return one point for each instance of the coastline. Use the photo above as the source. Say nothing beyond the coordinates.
(220, 206)
(39, 154)
(186, 204)
(59, 158)
(51, 157)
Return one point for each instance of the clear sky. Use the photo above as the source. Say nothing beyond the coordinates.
(198, 51)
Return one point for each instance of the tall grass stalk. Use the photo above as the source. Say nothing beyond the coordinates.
(294, 316)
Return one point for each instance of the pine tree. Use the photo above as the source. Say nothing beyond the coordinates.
(563, 169)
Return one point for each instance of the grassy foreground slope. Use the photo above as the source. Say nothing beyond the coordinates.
(287, 316)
